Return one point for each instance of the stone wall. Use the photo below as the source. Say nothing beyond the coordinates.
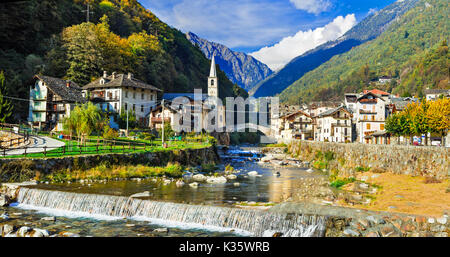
(408, 160)
(347, 222)
(23, 169)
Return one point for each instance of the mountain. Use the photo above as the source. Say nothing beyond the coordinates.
(368, 29)
(240, 68)
(408, 51)
(51, 37)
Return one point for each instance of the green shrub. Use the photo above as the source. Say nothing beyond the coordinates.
(338, 183)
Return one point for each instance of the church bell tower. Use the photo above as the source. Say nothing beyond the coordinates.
(213, 82)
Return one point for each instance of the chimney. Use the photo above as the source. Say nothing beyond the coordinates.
(114, 75)
(130, 75)
(105, 74)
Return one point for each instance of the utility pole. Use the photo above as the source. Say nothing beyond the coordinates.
(162, 104)
(127, 119)
(88, 12)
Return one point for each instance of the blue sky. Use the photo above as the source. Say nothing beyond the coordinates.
(250, 25)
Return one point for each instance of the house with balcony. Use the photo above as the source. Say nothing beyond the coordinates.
(334, 125)
(296, 125)
(51, 100)
(371, 114)
(118, 93)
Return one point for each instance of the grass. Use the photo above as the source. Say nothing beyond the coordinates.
(73, 149)
(340, 182)
(104, 171)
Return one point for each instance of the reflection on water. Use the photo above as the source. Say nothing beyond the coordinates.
(265, 188)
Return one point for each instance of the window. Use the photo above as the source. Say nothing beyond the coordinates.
(368, 126)
(134, 107)
(126, 94)
(115, 106)
(142, 96)
(212, 82)
(373, 117)
(381, 126)
(151, 97)
(126, 107)
(142, 108)
(345, 132)
(134, 95)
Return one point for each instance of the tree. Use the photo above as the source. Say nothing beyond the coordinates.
(438, 117)
(83, 120)
(5, 105)
(122, 120)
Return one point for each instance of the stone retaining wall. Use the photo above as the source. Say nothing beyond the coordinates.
(408, 160)
(23, 169)
(347, 222)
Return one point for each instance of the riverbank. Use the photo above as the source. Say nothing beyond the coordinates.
(365, 187)
(17, 170)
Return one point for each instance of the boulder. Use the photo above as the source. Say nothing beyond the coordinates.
(199, 177)
(161, 230)
(4, 200)
(40, 233)
(253, 173)
(7, 229)
(23, 231)
(48, 218)
(216, 180)
(231, 177)
(193, 185)
(143, 194)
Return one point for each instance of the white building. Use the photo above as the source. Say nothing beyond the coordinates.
(434, 94)
(51, 100)
(371, 113)
(297, 125)
(120, 93)
(334, 125)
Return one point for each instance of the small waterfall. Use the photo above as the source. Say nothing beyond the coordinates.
(249, 222)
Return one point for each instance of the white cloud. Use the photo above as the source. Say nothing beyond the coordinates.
(312, 6)
(288, 48)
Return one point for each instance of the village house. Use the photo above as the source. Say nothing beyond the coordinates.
(51, 100)
(434, 94)
(120, 93)
(297, 125)
(334, 125)
(316, 108)
(371, 113)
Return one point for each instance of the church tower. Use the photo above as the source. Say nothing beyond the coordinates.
(213, 82)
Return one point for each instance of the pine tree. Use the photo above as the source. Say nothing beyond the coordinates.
(5, 105)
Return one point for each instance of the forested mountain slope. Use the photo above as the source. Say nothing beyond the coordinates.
(398, 52)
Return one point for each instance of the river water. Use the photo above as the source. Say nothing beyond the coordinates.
(106, 209)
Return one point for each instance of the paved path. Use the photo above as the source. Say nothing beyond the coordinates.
(38, 144)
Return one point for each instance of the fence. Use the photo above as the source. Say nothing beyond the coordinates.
(16, 129)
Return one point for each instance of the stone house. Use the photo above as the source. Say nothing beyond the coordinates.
(297, 125)
(51, 100)
(334, 125)
(120, 92)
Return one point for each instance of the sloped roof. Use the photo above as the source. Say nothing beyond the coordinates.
(333, 111)
(377, 92)
(287, 116)
(120, 80)
(370, 93)
(437, 91)
(171, 96)
(59, 87)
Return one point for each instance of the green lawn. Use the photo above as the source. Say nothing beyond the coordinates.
(121, 146)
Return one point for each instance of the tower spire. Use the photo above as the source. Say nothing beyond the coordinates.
(213, 73)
